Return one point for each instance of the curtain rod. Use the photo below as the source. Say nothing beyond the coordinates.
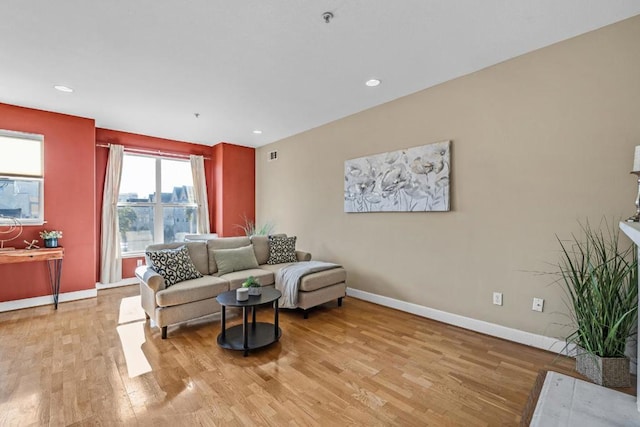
(147, 151)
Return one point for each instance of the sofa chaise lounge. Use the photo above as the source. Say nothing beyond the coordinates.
(196, 297)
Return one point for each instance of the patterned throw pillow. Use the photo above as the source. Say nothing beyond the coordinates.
(282, 249)
(174, 265)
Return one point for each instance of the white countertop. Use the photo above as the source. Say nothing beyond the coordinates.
(631, 229)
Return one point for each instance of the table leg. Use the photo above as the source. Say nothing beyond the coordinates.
(253, 319)
(55, 271)
(223, 324)
(245, 330)
(275, 319)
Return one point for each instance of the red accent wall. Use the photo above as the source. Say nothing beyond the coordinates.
(235, 185)
(69, 194)
(132, 140)
(75, 170)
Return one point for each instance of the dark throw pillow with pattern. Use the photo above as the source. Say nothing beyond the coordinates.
(282, 249)
(174, 265)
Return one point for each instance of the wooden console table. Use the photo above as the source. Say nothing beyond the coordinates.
(53, 256)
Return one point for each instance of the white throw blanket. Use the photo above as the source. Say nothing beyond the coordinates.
(288, 279)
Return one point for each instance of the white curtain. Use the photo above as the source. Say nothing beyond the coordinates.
(200, 192)
(110, 258)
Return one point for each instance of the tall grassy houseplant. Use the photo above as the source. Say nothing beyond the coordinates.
(250, 228)
(600, 277)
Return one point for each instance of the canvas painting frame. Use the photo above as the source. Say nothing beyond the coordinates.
(414, 179)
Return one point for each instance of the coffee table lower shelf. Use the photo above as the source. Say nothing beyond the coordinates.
(260, 334)
(248, 336)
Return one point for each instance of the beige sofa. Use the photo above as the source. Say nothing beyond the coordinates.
(195, 298)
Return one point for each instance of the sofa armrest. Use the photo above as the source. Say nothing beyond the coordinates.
(303, 256)
(153, 280)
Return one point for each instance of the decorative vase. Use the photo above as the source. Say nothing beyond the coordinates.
(242, 294)
(255, 290)
(51, 243)
(604, 371)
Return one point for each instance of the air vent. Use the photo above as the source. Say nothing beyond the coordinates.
(273, 155)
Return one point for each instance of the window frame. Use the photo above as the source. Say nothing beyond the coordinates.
(27, 177)
(158, 205)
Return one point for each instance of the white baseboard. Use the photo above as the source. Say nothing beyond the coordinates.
(124, 282)
(64, 297)
(46, 300)
(539, 341)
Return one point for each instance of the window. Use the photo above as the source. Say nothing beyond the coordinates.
(21, 178)
(156, 203)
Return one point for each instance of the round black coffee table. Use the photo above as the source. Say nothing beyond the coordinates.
(249, 336)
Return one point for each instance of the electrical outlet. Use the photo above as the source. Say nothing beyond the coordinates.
(538, 304)
(497, 298)
(139, 263)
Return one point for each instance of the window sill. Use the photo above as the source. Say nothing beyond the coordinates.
(23, 222)
(132, 255)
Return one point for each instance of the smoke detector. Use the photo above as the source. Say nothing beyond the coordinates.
(327, 16)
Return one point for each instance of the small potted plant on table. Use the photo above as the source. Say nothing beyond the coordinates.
(51, 238)
(253, 285)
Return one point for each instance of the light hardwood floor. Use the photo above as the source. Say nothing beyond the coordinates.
(98, 362)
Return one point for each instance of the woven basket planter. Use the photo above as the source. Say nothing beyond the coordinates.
(605, 371)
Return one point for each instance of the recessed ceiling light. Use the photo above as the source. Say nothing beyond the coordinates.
(372, 82)
(257, 131)
(62, 88)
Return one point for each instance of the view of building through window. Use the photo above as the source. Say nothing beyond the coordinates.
(21, 177)
(156, 203)
(20, 198)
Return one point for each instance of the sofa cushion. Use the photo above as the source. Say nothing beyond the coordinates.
(224, 243)
(282, 249)
(237, 259)
(197, 253)
(274, 268)
(235, 279)
(261, 248)
(313, 281)
(322, 279)
(191, 290)
(174, 265)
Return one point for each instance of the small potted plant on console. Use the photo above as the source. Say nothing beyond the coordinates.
(51, 238)
(253, 285)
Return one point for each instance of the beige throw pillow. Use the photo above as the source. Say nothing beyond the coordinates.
(237, 259)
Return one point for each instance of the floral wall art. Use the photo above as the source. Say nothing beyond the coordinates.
(410, 180)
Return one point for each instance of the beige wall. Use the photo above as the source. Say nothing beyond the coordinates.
(537, 143)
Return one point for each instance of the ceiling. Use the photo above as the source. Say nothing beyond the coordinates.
(148, 66)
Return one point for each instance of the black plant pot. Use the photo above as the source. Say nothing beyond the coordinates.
(51, 243)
